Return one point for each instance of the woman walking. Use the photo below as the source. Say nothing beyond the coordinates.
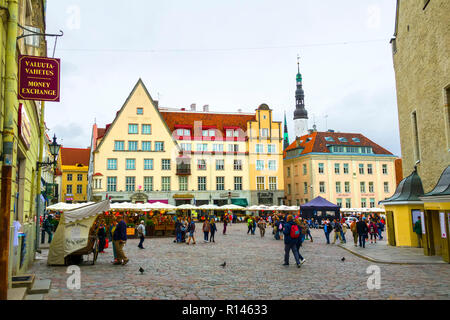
(373, 231)
(213, 230)
(191, 230)
(225, 223)
(101, 233)
(206, 229)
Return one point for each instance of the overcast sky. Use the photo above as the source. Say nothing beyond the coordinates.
(233, 54)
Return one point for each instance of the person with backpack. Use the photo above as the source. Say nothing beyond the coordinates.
(291, 237)
(191, 230)
(253, 226)
(362, 229)
(337, 231)
(380, 227)
(344, 231)
(300, 226)
(327, 229)
(373, 231)
(101, 234)
(178, 225)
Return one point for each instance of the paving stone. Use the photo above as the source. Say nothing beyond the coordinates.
(253, 271)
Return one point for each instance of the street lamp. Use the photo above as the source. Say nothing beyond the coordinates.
(54, 150)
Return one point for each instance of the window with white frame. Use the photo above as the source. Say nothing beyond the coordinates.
(363, 202)
(305, 188)
(233, 148)
(347, 187)
(165, 183)
(148, 184)
(186, 146)
(371, 187)
(146, 129)
(183, 183)
(201, 183)
(337, 168)
(119, 145)
(111, 184)
(202, 147)
(321, 167)
(130, 183)
(369, 169)
(348, 203)
(272, 165)
(338, 187)
(305, 169)
(165, 164)
(361, 168)
(146, 146)
(218, 147)
(237, 183)
(132, 145)
(385, 169)
(148, 164)
(362, 187)
(386, 187)
(201, 164)
(272, 183)
(69, 189)
(322, 187)
(79, 188)
(259, 164)
(259, 148)
(220, 164)
(220, 183)
(133, 128)
(345, 168)
(271, 148)
(130, 164)
(159, 146)
(112, 164)
(260, 183)
(264, 133)
(372, 202)
(237, 165)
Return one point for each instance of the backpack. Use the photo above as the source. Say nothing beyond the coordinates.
(295, 232)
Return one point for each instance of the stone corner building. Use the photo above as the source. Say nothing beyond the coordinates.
(421, 49)
(181, 156)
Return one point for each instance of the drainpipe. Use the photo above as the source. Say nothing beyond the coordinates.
(9, 134)
(39, 174)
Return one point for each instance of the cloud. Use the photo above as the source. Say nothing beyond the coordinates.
(72, 135)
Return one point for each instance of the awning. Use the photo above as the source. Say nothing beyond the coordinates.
(240, 202)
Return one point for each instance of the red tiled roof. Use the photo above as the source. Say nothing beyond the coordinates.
(73, 156)
(98, 174)
(317, 143)
(207, 119)
(100, 132)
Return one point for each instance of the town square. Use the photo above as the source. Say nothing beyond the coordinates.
(250, 151)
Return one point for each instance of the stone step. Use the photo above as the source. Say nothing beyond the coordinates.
(17, 293)
(34, 297)
(24, 280)
(40, 286)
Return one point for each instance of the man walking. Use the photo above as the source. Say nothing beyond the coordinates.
(362, 229)
(249, 225)
(337, 231)
(418, 230)
(120, 238)
(291, 235)
(262, 227)
(327, 230)
(47, 227)
(141, 234)
(191, 231)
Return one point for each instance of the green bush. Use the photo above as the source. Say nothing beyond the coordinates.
(149, 223)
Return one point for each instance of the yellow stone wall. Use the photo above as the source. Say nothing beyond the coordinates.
(264, 119)
(422, 71)
(313, 178)
(403, 226)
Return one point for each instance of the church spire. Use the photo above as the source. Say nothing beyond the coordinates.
(300, 111)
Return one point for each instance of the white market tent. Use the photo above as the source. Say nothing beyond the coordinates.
(232, 207)
(73, 229)
(62, 206)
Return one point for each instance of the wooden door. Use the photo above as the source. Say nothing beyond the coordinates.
(390, 228)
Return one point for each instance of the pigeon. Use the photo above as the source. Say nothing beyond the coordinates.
(141, 270)
(223, 265)
(343, 259)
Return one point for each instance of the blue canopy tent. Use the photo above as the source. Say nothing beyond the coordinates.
(320, 208)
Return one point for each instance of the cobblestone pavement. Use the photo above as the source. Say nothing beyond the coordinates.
(253, 271)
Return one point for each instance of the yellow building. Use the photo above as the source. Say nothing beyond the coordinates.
(21, 132)
(420, 46)
(73, 164)
(345, 168)
(187, 156)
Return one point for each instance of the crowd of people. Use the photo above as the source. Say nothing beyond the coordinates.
(361, 228)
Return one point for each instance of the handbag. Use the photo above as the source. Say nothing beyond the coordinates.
(106, 243)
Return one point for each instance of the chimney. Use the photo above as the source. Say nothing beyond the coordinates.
(206, 108)
(183, 109)
(193, 106)
(239, 110)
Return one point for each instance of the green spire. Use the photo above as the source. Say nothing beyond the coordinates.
(285, 135)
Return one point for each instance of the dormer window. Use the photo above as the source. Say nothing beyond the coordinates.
(329, 139)
(356, 139)
(341, 139)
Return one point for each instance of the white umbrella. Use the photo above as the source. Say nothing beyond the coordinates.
(186, 207)
(231, 207)
(253, 208)
(160, 205)
(209, 207)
